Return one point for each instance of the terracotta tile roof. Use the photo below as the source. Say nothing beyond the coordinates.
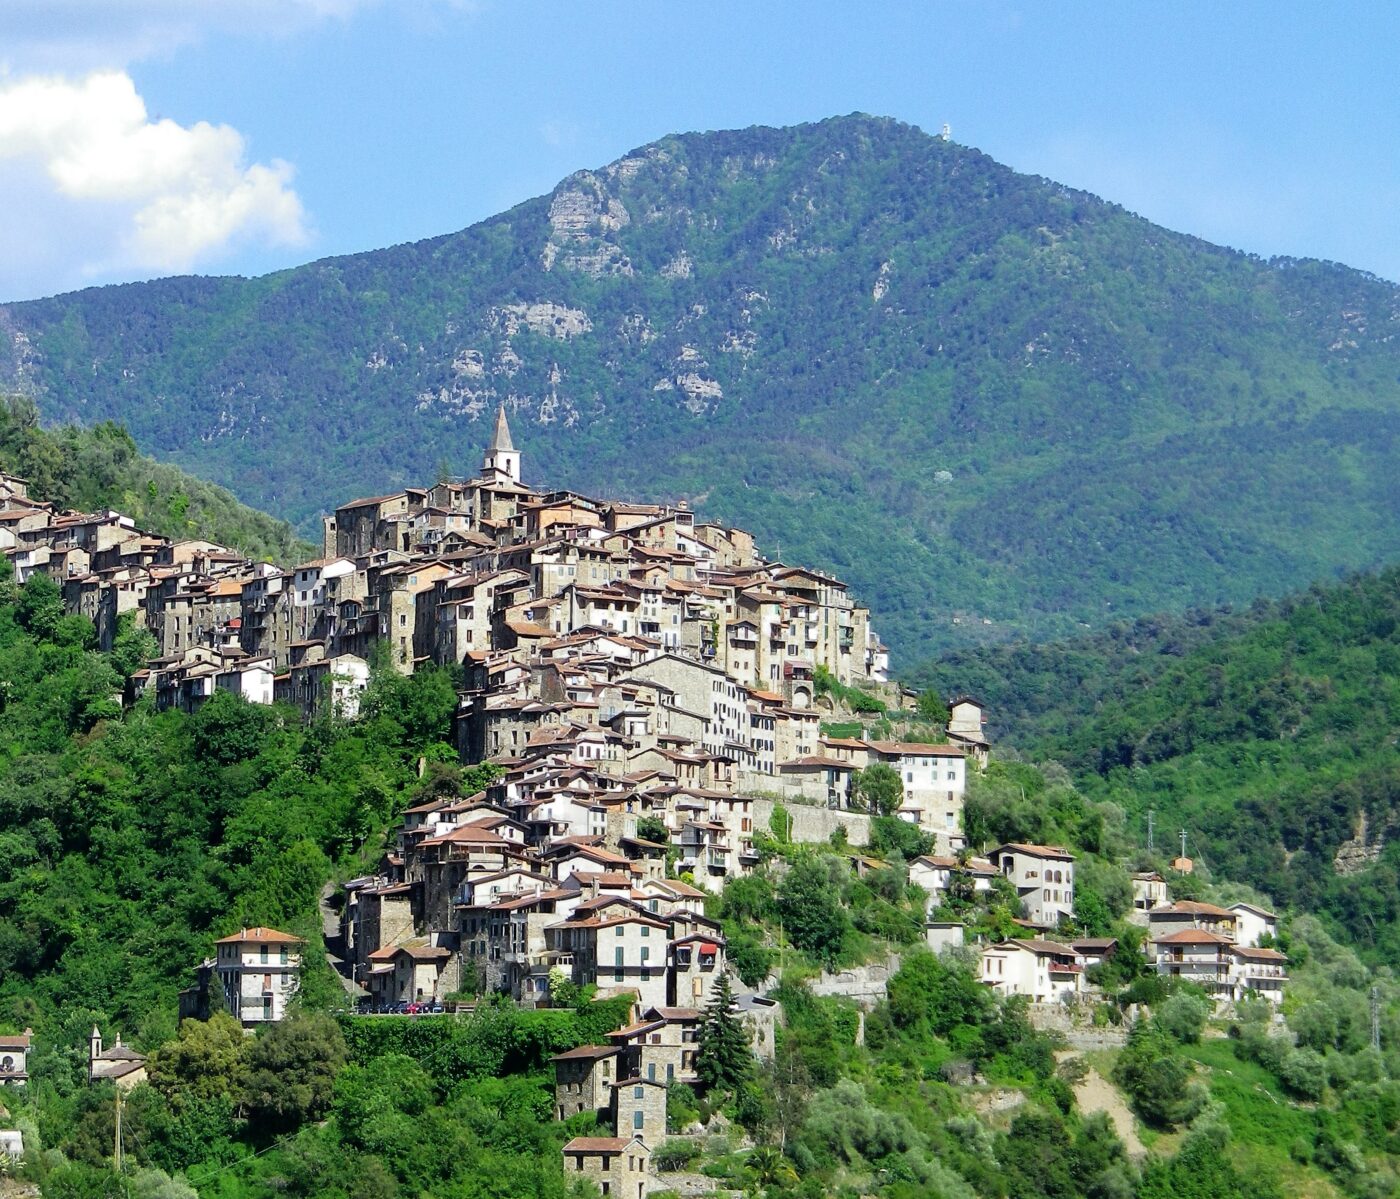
(1037, 851)
(1192, 936)
(260, 936)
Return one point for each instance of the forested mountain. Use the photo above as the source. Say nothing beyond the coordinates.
(99, 468)
(1268, 734)
(980, 396)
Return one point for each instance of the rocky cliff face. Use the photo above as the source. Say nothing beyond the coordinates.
(979, 396)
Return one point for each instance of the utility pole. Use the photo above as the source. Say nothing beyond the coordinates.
(1151, 815)
(117, 1145)
(1376, 1018)
(1183, 843)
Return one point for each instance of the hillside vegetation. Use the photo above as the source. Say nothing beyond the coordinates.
(995, 404)
(1269, 734)
(132, 839)
(99, 468)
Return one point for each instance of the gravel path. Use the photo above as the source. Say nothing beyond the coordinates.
(1096, 1094)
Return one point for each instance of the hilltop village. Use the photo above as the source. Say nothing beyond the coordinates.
(646, 689)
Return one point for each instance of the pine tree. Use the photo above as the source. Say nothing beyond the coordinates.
(724, 1060)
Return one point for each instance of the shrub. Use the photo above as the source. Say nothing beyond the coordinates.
(675, 1155)
(1304, 1072)
(1183, 1017)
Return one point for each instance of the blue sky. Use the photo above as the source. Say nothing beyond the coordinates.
(147, 137)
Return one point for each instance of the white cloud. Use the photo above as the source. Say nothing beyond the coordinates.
(148, 195)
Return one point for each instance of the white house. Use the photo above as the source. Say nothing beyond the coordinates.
(1253, 923)
(937, 875)
(1226, 971)
(1044, 879)
(14, 1058)
(1046, 971)
(258, 968)
(935, 781)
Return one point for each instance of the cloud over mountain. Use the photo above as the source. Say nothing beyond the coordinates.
(144, 194)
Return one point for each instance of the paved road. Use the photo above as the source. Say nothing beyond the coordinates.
(330, 933)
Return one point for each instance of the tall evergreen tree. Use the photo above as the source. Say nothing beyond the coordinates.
(724, 1060)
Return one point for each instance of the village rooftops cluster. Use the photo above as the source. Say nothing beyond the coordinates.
(475, 571)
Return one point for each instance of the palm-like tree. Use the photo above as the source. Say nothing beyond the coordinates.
(768, 1167)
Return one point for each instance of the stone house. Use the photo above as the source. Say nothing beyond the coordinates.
(617, 1166)
(638, 1107)
(583, 1079)
(411, 972)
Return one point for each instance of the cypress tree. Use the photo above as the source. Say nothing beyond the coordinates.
(724, 1060)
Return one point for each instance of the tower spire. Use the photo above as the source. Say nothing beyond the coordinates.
(502, 458)
(501, 439)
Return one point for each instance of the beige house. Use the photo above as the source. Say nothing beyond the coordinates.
(1046, 971)
(120, 1063)
(1149, 891)
(935, 781)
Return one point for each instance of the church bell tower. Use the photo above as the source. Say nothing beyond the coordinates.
(502, 458)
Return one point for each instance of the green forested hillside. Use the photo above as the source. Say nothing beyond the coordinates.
(97, 468)
(131, 840)
(995, 404)
(1270, 735)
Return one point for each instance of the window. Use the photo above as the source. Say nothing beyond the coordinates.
(263, 951)
(640, 1092)
(638, 1122)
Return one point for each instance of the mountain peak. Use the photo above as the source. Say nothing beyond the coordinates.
(976, 394)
